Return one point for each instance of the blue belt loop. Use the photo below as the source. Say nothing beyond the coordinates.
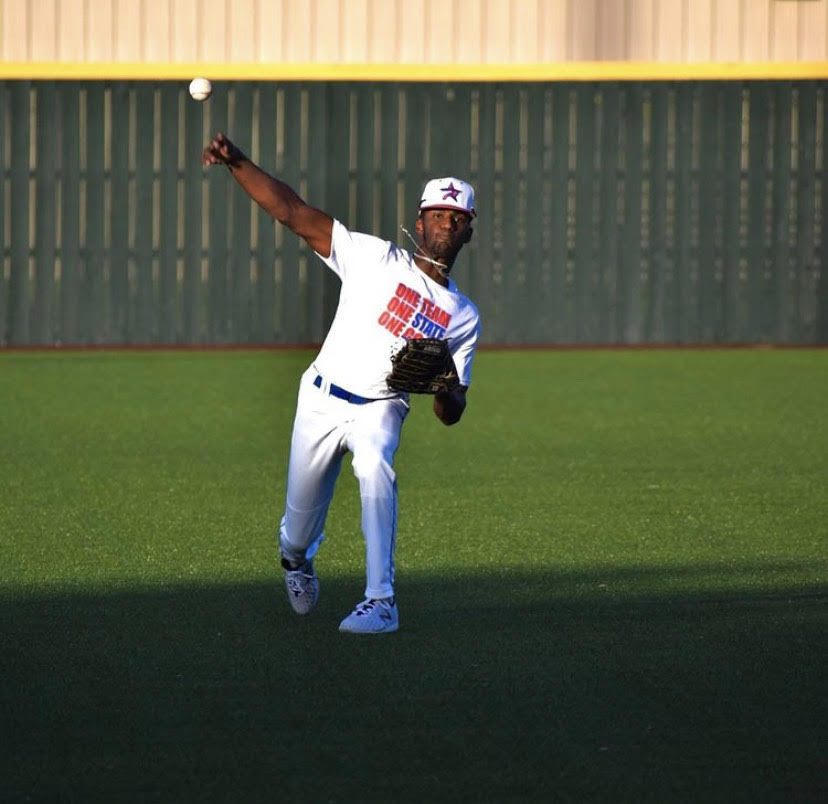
(341, 393)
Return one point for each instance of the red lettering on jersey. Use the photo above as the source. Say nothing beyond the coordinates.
(407, 294)
(393, 324)
(427, 307)
(398, 306)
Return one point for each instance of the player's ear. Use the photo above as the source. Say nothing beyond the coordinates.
(418, 225)
(469, 233)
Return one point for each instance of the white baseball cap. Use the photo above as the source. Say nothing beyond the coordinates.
(448, 193)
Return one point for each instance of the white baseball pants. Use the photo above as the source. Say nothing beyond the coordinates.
(325, 428)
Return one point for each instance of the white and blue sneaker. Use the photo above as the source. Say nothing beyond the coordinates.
(372, 617)
(302, 586)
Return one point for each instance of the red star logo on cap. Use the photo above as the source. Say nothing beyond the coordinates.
(450, 192)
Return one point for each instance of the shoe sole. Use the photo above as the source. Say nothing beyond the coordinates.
(389, 630)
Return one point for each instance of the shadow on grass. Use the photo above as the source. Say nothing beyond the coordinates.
(538, 687)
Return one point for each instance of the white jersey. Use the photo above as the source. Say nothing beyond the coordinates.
(385, 300)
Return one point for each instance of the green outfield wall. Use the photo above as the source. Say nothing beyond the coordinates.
(609, 212)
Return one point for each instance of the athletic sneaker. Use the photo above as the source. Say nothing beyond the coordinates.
(372, 617)
(302, 587)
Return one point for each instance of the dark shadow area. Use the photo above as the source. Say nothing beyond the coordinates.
(534, 687)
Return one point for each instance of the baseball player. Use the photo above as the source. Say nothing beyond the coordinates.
(353, 396)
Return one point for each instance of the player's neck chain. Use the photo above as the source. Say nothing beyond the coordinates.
(443, 271)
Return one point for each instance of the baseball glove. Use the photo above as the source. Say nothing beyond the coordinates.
(423, 366)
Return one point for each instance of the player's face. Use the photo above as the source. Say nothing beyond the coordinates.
(444, 231)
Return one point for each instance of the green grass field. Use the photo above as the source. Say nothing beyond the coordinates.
(612, 577)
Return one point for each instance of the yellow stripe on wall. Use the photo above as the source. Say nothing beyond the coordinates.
(565, 71)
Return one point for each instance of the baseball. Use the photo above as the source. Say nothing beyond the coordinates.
(201, 89)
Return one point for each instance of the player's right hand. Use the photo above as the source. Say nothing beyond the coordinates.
(221, 151)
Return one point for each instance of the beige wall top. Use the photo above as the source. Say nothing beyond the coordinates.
(416, 33)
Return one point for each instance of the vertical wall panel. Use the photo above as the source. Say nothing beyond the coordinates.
(821, 293)
(168, 302)
(364, 149)
(329, 37)
(15, 43)
(93, 295)
(484, 290)
(45, 221)
(324, 290)
(70, 285)
(657, 269)
(608, 231)
(582, 39)
(513, 257)
(709, 215)
(355, 33)
(726, 44)
(215, 30)
(803, 263)
(242, 36)
(42, 31)
(525, 44)
(156, 44)
(683, 264)
(217, 323)
(19, 283)
(293, 322)
(784, 30)
(781, 303)
(298, 31)
(536, 264)
(757, 40)
(558, 319)
(192, 324)
(185, 33)
(730, 114)
(554, 20)
(498, 31)
(757, 181)
(239, 257)
(5, 123)
(586, 330)
(119, 214)
(142, 135)
(389, 160)
(813, 30)
(270, 31)
(637, 30)
(629, 284)
(128, 29)
(99, 44)
(265, 297)
(613, 37)
(71, 39)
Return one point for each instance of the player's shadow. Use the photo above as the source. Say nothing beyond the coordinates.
(527, 686)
